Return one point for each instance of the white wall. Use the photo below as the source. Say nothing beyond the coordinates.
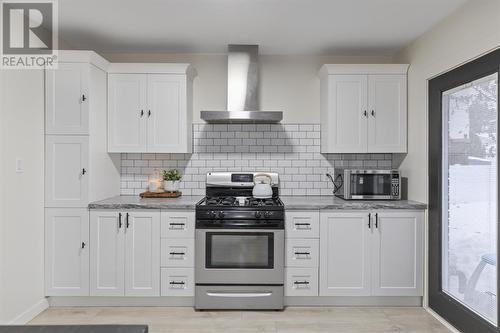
(287, 83)
(21, 195)
(472, 30)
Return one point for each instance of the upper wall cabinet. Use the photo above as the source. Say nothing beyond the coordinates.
(363, 109)
(67, 106)
(150, 108)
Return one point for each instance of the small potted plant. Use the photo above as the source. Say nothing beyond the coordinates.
(171, 180)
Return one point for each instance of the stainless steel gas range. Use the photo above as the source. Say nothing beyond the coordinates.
(240, 244)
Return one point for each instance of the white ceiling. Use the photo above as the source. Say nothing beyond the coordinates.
(278, 26)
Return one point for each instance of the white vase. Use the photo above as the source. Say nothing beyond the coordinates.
(171, 185)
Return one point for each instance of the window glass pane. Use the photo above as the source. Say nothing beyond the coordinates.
(470, 195)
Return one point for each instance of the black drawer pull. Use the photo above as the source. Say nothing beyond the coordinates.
(302, 253)
(307, 224)
(177, 253)
(177, 282)
(301, 282)
(176, 224)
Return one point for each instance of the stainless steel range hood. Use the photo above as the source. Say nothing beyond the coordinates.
(242, 90)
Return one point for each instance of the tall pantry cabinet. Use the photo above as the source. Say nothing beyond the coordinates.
(78, 168)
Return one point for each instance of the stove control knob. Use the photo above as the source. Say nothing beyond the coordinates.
(267, 215)
(221, 214)
(212, 214)
(258, 215)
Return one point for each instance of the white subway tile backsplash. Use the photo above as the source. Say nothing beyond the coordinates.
(292, 150)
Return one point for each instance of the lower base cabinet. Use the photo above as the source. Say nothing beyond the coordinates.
(177, 281)
(66, 252)
(301, 281)
(373, 253)
(125, 253)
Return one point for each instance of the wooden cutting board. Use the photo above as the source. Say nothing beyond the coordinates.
(148, 194)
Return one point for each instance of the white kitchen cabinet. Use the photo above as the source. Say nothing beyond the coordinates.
(177, 281)
(168, 130)
(66, 171)
(345, 254)
(127, 113)
(387, 113)
(142, 253)
(371, 253)
(107, 253)
(302, 224)
(344, 125)
(177, 224)
(67, 99)
(302, 252)
(66, 252)
(177, 252)
(150, 108)
(363, 108)
(125, 253)
(397, 254)
(301, 281)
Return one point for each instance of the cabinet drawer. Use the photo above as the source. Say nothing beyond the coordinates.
(302, 252)
(177, 282)
(177, 252)
(177, 224)
(301, 281)
(302, 224)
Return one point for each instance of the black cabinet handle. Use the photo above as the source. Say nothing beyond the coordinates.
(142, 113)
(119, 220)
(373, 113)
(301, 282)
(303, 253)
(177, 282)
(149, 113)
(306, 224)
(84, 171)
(127, 224)
(177, 253)
(376, 220)
(83, 245)
(176, 224)
(84, 98)
(369, 220)
(365, 113)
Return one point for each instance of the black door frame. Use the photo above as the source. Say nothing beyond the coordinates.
(454, 312)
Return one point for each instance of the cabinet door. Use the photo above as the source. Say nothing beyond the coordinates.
(66, 98)
(345, 129)
(127, 113)
(345, 254)
(66, 252)
(387, 114)
(177, 224)
(167, 118)
(107, 264)
(397, 244)
(302, 224)
(66, 171)
(142, 254)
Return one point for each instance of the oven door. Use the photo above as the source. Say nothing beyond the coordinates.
(239, 256)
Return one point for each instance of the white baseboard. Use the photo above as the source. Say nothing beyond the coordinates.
(30, 313)
(442, 320)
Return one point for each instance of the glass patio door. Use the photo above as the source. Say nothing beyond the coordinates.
(463, 195)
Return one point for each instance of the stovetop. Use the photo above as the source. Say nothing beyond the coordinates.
(231, 201)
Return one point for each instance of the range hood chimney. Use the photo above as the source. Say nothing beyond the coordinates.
(242, 90)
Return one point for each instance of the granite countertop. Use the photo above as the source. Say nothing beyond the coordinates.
(332, 202)
(291, 203)
(135, 202)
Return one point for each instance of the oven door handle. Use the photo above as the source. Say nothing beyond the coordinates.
(230, 294)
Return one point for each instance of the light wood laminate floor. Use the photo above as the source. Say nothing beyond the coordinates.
(295, 319)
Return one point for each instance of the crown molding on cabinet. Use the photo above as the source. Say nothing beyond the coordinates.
(152, 68)
(365, 69)
(83, 56)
